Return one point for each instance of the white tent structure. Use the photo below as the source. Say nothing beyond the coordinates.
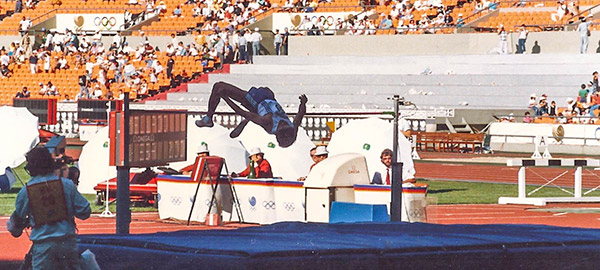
(370, 137)
(219, 144)
(19, 135)
(288, 163)
(93, 162)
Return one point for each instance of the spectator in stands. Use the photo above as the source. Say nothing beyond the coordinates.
(522, 39)
(582, 94)
(5, 72)
(51, 89)
(33, 61)
(161, 8)
(503, 35)
(24, 25)
(4, 58)
(460, 22)
(242, 46)
(284, 42)
(248, 37)
(386, 22)
(594, 103)
(24, 93)
(219, 48)
(177, 12)
(42, 90)
(256, 39)
(277, 41)
(543, 107)
(594, 82)
(561, 11)
(584, 33)
(527, 118)
(229, 53)
(262, 167)
(18, 6)
(532, 100)
(552, 109)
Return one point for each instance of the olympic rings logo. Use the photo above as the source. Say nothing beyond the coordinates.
(175, 200)
(105, 23)
(269, 204)
(289, 206)
(326, 22)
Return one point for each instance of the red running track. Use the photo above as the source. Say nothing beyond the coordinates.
(503, 174)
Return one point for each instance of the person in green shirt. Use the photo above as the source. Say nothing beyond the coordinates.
(583, 93)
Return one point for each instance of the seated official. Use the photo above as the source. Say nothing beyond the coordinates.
(262, 168)
(383, 175)
(202, 152)
(321, 154)
(317, 154)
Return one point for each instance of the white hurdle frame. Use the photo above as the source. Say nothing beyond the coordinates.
(541, 201)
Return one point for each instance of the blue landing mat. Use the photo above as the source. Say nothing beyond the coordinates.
(293, 245)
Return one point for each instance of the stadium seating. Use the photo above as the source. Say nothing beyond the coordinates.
(476, 81)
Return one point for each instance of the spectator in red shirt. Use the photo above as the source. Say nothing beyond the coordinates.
(594, 103)
(261, 165)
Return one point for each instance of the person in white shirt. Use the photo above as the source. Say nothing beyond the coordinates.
(97, 38)
(256, 39)
(4, 59)
(522, 38)
(51, 89)
(43, 90)
(583, 29)
(24, 25)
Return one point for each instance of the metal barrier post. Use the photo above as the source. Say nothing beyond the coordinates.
(521, 182)
(578, 182)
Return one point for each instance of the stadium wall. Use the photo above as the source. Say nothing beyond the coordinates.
(480, 43)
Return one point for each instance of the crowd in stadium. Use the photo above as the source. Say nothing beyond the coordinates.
(583, 109)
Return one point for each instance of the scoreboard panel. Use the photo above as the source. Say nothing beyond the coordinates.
(155, 138)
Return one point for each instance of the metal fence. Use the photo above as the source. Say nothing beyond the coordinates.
(315, 124)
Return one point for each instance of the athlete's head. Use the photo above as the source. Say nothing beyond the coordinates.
(286, 136)
(39, 162)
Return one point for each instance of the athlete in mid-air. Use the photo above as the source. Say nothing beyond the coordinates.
(262, 109)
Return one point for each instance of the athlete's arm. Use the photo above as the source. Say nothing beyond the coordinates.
(301, 111)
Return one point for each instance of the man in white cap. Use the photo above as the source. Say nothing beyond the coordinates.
(262, 168)
(321, 154)
(317, 154)
(256, 38)
(202, 151)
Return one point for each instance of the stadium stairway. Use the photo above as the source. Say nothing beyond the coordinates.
(352, 83)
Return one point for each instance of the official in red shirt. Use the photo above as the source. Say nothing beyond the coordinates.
(261, 165)
(202, 152)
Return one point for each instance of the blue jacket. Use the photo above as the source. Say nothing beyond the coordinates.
(77, 206)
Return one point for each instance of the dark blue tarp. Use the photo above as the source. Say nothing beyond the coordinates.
(353, 246)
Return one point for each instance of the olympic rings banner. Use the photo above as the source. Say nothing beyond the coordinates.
(90, 22)
(293, 21)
